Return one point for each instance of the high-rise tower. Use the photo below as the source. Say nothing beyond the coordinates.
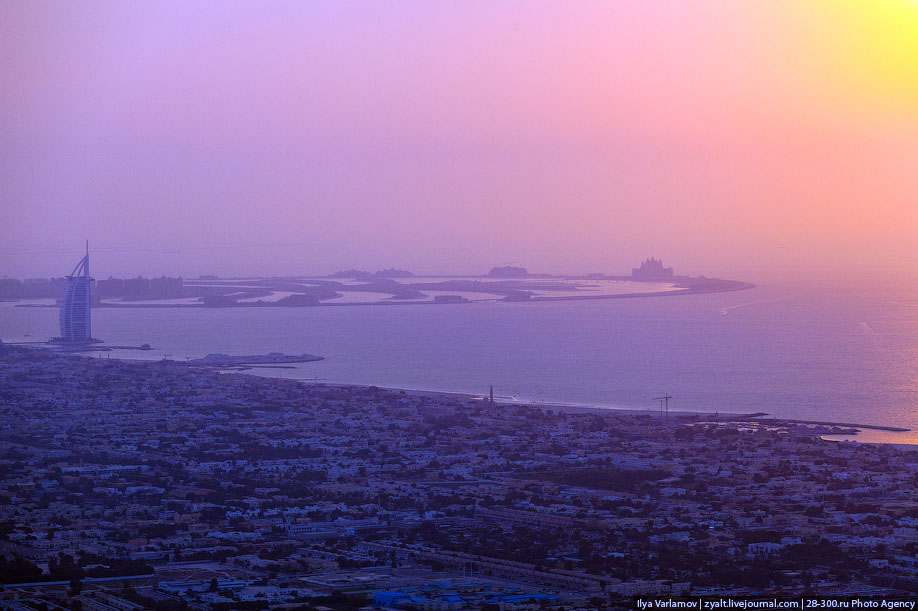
(76, 322)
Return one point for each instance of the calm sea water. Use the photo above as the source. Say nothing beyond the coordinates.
(798, 354)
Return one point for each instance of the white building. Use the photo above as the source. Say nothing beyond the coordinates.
(75, 319)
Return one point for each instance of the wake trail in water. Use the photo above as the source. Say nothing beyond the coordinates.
(726, 311)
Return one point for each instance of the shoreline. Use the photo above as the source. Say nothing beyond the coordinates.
(681, 288)
(578, 408)
(678, 416)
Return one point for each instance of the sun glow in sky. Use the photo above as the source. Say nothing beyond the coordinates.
(732, 138)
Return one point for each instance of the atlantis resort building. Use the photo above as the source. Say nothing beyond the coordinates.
(76, 322)
(652, 269)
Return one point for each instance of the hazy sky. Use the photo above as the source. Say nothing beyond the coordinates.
(733, 138)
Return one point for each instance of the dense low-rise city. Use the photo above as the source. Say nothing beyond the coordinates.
(160, 485)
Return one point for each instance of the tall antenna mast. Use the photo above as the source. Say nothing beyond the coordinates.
(664, 400)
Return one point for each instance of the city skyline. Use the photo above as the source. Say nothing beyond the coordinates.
(609, 271)
(515, 305)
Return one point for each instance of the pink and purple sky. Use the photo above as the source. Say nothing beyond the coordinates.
(732, 138)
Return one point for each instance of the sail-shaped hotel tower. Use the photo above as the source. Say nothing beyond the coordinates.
(76, 323)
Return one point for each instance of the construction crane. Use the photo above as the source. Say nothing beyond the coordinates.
(664, 400)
